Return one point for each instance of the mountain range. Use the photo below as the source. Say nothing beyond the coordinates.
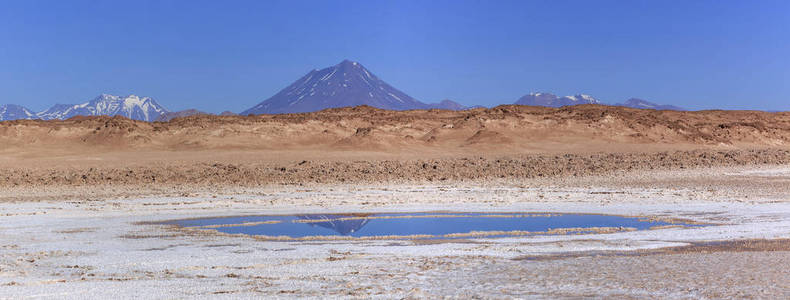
(15, 112)
(551, 100)
(132, 107)
(644, 104)
(345, 84)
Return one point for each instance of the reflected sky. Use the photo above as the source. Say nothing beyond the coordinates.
(434, 224)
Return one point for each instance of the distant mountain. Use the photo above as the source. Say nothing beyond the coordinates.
(448, 105)
(10, 112)
(551, 100)
(166, 117)
(227, 113)
(132, 107)
(644, 104)
(345, 84)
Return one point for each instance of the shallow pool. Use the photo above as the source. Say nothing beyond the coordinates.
(422, 225)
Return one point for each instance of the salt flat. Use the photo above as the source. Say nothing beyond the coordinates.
(100, 249)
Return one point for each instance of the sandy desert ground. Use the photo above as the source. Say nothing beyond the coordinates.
(77, 199)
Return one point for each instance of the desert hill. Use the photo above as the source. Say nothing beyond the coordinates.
(367, 145)
(503, 129)
(179, 114)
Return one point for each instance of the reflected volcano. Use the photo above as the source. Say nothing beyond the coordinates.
(344, 227)
(432, 225)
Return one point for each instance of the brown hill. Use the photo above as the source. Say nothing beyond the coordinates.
(117, 157)
(503, 129)
(179, 114)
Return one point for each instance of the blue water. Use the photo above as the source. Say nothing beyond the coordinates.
(442, 224)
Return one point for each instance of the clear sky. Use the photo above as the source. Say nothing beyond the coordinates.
(230, 55)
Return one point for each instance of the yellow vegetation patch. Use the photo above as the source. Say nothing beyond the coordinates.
(558, 231)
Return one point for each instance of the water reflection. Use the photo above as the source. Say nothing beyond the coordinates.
(426, 225)
(334, 222)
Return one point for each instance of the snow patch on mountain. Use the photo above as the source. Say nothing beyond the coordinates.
(551, 100)
(345, 84)
(9, 112)
(132, 107)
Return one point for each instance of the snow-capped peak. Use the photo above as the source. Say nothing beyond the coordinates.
(583, 99)
(551, 100)
(347, 83)
(132, 106)
(10, 112)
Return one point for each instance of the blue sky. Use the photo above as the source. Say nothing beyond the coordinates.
(230, 55)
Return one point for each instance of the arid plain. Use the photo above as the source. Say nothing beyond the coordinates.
(79, 196)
